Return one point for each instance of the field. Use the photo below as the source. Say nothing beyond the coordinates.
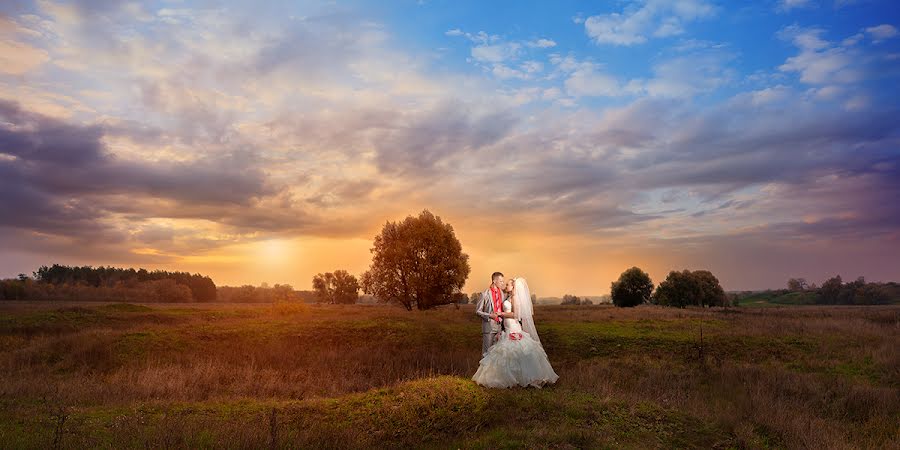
(783, 297)
(355, 376)
(776, 298)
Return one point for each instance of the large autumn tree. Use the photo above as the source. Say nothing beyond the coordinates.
(416, 262)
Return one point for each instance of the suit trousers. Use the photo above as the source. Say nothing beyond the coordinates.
(487, 340)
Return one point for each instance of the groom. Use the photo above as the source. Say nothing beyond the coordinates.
(487, 308)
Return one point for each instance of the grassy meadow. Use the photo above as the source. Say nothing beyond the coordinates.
(357, 376)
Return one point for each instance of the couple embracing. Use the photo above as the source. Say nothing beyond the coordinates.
(511, 352)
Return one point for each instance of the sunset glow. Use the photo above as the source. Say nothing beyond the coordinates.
(563, 141)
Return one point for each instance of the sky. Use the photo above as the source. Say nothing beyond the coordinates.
(564, 141)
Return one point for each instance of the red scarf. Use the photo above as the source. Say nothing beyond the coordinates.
(495, 296)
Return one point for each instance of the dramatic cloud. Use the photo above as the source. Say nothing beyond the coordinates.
(271, 143)
(71, 159)
(420, 142)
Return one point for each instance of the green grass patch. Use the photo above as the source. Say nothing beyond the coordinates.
(439, 412)
(53, 321)
(779, 298)
(125, 307)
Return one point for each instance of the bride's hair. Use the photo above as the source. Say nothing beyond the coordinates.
(511, 284)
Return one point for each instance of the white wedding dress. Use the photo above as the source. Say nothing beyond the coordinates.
(516, 359)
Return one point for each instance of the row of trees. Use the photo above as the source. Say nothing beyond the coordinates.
(60, 282)
(575, 300)
(151, 291)
(702, 288)
(164, 290)
(835, 292)
(264, 294)
(680, 289)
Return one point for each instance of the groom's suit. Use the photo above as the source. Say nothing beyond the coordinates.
(489, 327)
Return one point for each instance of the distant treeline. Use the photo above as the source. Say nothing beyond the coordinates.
(86, 283)
(265, 294)
(833, 291)
(570, 299)
(281, 293)
(59, 282)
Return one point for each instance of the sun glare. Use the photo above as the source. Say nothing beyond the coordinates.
(274, 251)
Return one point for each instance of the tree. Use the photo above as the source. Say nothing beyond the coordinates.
(849, 292)
(570, 300)
(474, 298)
(711, 292)
(459, 298)
(675, 290)
(797, 284)
(416, 262)
(684, 288)
(633, 288)
(13, 289)
(872, 294)
(283, 293)
(831, 290)
(166, 290)
(336, 287)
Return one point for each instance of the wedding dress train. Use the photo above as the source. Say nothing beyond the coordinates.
(516, 359)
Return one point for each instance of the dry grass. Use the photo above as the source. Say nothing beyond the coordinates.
(207, 375)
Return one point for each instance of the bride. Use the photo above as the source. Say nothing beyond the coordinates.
(518, 357)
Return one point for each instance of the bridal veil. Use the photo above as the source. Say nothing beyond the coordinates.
(523, 307)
